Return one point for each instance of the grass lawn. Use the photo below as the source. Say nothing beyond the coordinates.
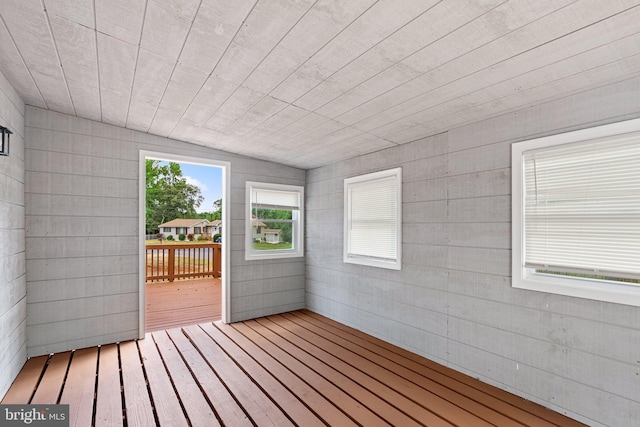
(175, 242)
(264, 246)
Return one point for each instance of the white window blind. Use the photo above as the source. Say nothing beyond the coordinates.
(273, 199)
(373, 218)
(582, 208)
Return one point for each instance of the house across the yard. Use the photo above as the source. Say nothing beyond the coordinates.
(272, 235)
(198, 227)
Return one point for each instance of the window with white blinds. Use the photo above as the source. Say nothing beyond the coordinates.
(373, 219)
(576, 204)
(275, 218)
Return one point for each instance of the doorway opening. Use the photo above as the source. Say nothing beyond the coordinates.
(184, 249)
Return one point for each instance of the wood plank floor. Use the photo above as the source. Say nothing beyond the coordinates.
(183, 302)
(294, 369)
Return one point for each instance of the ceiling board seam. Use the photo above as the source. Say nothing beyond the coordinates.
(547, 99)
(401, 60)
(55, 48)
(24, 63)
(135, 66)
(254, 69)
(214, 67)
(441, 65)
(269, 94)
(363, 53)
(175, 65)
(95, 33)
(333, 38)
(547, 82)
(498, 63)
(466, 53)
(539, 104)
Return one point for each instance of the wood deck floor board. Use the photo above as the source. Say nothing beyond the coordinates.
(528, 412)
(53, 379)
(22, 391)
(163, 395)
(80, 386)
(438, 377)
(352, 382)
(410, 395)
(138, 405)
(198, 410)
(367, 378)
(182, 303)
(315, 372)
(257, 405)
(296, 368)
(109, 397)
(215, 390)
(280, 395)
(348, 404)
(417, 384)
(318, 403)
(227, 408)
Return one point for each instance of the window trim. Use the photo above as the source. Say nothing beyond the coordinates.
(371, 261)
(527, 278)
(298, 223)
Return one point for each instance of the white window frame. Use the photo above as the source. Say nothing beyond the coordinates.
(528, 278)
(298, 223)
(367, 260)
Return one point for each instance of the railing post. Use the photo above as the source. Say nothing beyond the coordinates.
(172, 257)
(217, 260)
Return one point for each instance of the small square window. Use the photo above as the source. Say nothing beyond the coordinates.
(576, 213)
(373, 219)
(274, 225)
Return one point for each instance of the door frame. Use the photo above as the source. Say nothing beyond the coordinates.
(226, 192)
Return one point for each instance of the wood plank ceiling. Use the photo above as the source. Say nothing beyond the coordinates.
(310, 82)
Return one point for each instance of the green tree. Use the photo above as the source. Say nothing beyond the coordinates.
(217, 210)
(270, 217)
(168, 194)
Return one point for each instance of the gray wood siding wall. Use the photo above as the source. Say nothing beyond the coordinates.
(453, 301)
(82, 232)
(13, 301)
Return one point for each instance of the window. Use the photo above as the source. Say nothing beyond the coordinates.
(274, 226)
(576, 213)
(166, 229)
(181, 230)
(197, 230)
(373, 219)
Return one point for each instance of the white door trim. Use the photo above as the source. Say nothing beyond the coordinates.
(226, 192)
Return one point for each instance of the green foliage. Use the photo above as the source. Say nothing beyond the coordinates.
(201, 238)
(181, 237)
(270, 217)
(168, 194)
(214, 215)
(170, 237)
(215, 236)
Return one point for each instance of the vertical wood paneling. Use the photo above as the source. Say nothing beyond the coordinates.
(452, 301)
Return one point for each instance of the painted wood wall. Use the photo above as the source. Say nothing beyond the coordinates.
(13, 301)
(453, 301)
(82, 233)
